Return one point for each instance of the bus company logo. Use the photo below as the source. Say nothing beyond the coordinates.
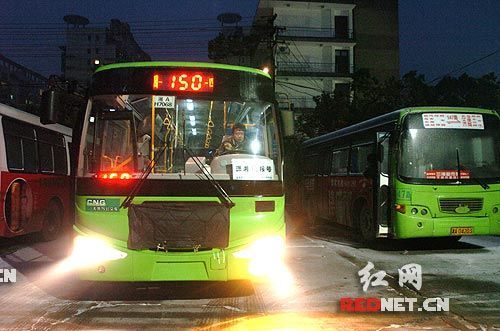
(408, 274)
(106, 205)
(7, 275)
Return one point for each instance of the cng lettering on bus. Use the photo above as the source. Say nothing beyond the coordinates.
(102, 205)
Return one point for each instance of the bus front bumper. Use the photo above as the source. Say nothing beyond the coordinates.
(417, 226)
(100, 259)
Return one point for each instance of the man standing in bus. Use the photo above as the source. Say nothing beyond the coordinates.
(234, 143)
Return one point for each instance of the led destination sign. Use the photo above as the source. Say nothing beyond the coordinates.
(184, 81)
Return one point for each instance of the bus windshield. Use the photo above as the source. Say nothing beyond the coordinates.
(126, 132)
(448, 147)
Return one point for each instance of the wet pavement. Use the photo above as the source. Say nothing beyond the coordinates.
(324, 268)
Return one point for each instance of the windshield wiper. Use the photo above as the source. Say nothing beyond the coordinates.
(223, 196)
(458, 166)
(143, 176)
(483, 185)
(221, 193)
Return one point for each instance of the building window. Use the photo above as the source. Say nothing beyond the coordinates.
(89, 37)
(88, 50)
(341, 27)
(343, 89)
(342, 61)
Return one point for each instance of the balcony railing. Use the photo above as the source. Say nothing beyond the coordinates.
(315, 67)
(316, 33)
(303, 102)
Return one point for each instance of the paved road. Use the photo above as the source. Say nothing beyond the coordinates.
(324, 269)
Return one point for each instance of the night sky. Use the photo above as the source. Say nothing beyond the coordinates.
(436, 37)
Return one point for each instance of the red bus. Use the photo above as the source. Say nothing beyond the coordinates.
(35, 175)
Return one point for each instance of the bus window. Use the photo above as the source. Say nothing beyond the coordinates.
(340, 161)
(359, 158)
(52, 152)
(20, 145)
(427, 150)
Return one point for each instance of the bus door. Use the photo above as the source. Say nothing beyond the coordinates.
(382, 183)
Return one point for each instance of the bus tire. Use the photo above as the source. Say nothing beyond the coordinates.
(52, 221)
(366, 224)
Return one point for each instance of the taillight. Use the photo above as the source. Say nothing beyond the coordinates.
(114, 175)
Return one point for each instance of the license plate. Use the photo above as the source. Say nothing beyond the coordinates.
(461, 231)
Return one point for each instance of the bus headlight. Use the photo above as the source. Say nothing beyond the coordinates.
(265, 254)
(88, 251)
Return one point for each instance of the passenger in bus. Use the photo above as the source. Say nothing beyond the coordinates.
(235, 143)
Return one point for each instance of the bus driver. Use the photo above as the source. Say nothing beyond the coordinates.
(235, 143)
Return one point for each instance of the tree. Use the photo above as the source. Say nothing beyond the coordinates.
(414, 91)
(371, 97)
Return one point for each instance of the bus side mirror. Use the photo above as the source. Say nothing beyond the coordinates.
(49, 112)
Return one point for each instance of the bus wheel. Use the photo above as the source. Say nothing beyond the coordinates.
(366, 225)
(52, 221)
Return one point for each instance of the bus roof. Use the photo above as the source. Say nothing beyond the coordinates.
(182, 64)
(387, 119)
(23, 116)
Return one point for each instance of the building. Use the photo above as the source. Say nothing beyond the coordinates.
(320, 44)
(86, 44)
(20, 87)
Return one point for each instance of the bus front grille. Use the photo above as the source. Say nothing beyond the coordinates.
(460, 205)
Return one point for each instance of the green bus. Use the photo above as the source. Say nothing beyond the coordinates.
(416, 172)
(155, 198)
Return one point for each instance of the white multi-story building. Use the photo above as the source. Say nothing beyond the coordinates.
(320, 44)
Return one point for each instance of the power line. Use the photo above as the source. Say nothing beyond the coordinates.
(303, 86)
(464, 66)
(295, 90)
(173, 21)
(302, 56)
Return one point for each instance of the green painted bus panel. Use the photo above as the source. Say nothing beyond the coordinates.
(437, 223)
(245, 221)
(182, 64)
(147, 265)
(439, 109)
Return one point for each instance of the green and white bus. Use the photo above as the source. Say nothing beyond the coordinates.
(154, 200)
(415, 172)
